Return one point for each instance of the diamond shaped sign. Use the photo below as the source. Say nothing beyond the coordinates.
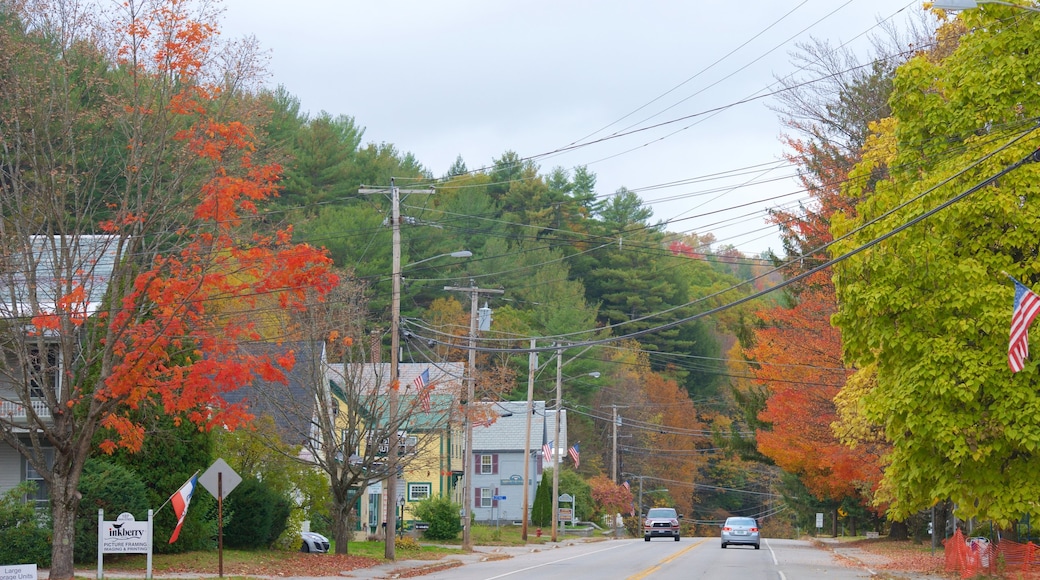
(228, 479)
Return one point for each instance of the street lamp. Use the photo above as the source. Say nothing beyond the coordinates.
(969, 4)
(395, 356)
(458, 254)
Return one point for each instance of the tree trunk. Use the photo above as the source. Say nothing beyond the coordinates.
(64, 503)
(852, 526)
(341, 509)
(898, 531)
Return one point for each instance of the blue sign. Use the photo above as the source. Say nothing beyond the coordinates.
(498, 497)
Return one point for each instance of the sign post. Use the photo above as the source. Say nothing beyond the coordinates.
(219, 480)
(819, 522)
(498, 498)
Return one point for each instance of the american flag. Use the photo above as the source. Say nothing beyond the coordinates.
(627, 486)
(547, 451)
(573, 451)
(1027, 305)
(424, 392)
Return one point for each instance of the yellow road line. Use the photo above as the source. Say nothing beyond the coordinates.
(658, 565)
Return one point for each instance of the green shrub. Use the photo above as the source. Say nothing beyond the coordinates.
(443, 516)
(24, 533)
(541, 509)
(113, 488)
(256, 515)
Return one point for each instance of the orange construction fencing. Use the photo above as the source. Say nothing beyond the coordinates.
(973, 556)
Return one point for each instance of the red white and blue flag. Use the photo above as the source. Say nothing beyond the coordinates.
(627, 485)
(180, 501)
(1027, 305)
(547, 452)
(421, 383)
(573, 451)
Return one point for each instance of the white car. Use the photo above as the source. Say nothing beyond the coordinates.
(314, 543)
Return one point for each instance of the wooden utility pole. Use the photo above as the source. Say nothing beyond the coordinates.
(467, 453)
(393, 421)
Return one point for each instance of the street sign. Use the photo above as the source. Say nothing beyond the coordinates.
(228, 479)
(498, 497)
(819, 519)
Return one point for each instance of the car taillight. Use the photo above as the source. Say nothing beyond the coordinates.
(727, 529)
(754, 529)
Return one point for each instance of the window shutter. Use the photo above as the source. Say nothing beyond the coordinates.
(494, 503)
(494, 464)
(476, 497)
(476, 464)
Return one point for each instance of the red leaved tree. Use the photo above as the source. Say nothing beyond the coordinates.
(129, 170)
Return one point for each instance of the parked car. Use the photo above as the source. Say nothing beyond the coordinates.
(314, 543)
(741, 531)
(661, 522)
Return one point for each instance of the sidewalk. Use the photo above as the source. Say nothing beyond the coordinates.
(869, 561)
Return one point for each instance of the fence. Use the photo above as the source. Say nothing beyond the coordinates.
(973, 556)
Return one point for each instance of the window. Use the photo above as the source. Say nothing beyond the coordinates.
(42, 371)
(485, 497)
(406, 444)
(41, 496)
(419, 491)
(486, 464)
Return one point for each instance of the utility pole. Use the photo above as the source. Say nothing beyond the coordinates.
(393, 421)
(532, 368)
(467, 453)
(556, 443)
(615, 422)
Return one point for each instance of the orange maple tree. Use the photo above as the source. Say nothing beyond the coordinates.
(157, 164)
(801, 352)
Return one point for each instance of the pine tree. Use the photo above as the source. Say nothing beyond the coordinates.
(541, 511)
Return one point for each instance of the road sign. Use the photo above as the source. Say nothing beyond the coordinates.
(819, 520)
(498, 497)
(228, 479)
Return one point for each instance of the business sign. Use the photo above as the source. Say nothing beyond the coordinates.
(566, 514)
(19, 572)
(125, 536)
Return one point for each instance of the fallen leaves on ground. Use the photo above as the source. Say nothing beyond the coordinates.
(903, 555)
(300, 564)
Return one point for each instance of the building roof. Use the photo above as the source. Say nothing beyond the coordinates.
(507, 432)
(370, 381)
(88, 262)
(290, 403)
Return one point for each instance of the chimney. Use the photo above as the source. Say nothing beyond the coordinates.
(376, 347)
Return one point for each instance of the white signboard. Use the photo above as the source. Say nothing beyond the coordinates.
(819, 520)
(125, 536)
(19, 572)
(375, 488)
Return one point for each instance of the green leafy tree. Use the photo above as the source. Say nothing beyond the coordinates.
(929, 306)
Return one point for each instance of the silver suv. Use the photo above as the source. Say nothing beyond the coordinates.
(661, 522)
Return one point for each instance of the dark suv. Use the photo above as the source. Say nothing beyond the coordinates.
(661, 522)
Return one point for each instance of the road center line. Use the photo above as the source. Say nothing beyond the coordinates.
(658, 565)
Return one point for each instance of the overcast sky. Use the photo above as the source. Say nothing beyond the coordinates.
(478, 78)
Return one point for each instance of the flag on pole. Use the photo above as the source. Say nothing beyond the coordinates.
(421, 380)
(573, 451)
(421, 383)
(1027, 305)
(180, 501)
(627, 486)
(547, 451)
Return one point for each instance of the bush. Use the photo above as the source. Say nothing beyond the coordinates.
(24, 534)
(541, 509)
(443, 516)
(256, 514)
(113, 488)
